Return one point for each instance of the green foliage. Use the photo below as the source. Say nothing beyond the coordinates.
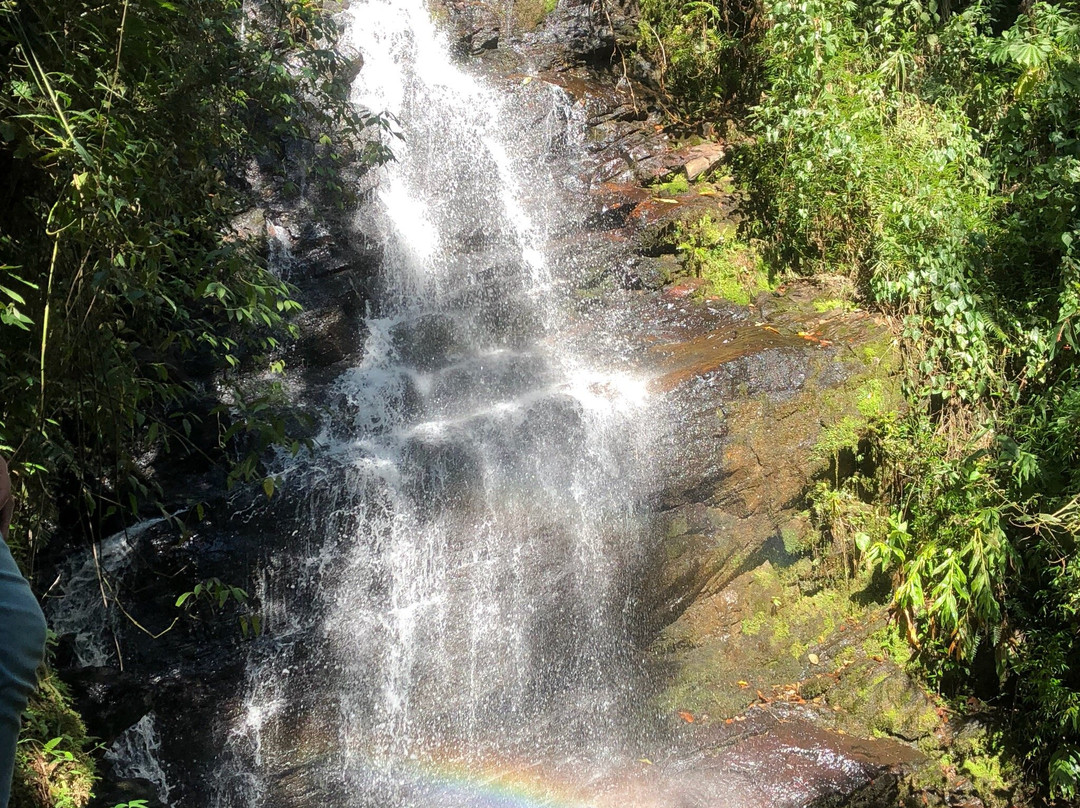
(932, 154)
(54, 768)
(678, 184)
(124, 131)
(711, 251)
(703, 51)
(213, 595)
(947, 541)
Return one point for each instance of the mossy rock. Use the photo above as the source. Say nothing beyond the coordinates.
(53, 766)
(880, 697)
(755, 634)
(975, 769)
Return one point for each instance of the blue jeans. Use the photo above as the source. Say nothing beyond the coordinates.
(22, 647)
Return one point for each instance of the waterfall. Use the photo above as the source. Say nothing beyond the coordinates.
(459, 606)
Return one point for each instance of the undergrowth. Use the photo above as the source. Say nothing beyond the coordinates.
(54, 767)
(712, 250)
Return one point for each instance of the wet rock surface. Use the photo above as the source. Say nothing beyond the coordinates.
(779, 758)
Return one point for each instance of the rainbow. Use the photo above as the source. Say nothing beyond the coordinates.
(447, 781)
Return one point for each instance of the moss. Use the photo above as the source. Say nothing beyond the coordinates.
(888, 643)
(846, 656)
(53, 766)
(752, 626)
(735, 272)
(795, 541)
(816, 686)
(711, 249)
(885, 700)
(841, 435)
(871, 401)
(528, 14)
(677, 526)
(770, 646)
(986, 774)
(980, 757)
(678, 184)
(833, 304)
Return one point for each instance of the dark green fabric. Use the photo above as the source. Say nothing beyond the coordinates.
(22, 647)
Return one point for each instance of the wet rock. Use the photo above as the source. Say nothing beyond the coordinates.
(476, 25)
(428, 341)
(737, 619)
(654, 272)
(108, 699)
(441, 472)
(581, 33)
(503, 375)
(327, 338)
(613, 204)
(781, 759)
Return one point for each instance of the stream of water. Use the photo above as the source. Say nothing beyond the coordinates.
(460, 633)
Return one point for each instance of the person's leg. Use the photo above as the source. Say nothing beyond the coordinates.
(22, 647)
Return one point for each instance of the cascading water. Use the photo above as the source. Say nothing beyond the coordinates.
(464, 586)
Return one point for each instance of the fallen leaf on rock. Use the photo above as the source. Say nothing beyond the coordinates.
(742, 683)
(814, 659)
(685, 716)
(646, 761)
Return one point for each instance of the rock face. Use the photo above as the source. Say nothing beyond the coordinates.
(775, 759)
(745, 610)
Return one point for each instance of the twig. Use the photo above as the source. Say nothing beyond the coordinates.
(622, 55)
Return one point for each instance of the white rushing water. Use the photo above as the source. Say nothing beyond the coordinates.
(463, 582)
(82, 612)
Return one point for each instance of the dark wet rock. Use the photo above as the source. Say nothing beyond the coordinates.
(327, 337)
(613, 204)
(625, 139)
(441, 472)
(477, 26)
(108, 699)
(429, 341)
(503, 375)
(654, 272)
(554, 421)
